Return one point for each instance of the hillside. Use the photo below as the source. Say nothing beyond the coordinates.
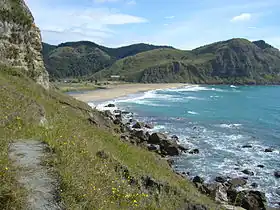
(77, 59)
(235, 61)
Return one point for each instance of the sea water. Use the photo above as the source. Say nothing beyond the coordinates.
(219, 121)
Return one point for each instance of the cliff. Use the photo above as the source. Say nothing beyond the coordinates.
(20, 41)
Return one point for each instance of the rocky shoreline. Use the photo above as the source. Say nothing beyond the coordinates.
(224, 190)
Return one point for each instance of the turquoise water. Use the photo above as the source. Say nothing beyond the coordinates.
(219, 120)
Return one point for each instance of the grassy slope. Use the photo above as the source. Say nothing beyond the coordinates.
(87, 182)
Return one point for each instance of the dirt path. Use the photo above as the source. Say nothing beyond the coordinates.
(33, 175)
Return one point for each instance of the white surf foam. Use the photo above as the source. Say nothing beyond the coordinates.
(193, 113)
(230, 125)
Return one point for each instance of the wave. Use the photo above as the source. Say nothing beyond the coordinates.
(193, 113)
(194, 88)
(229, 125)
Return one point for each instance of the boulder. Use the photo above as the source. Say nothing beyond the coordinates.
(268, 150)
(253, 200)
(247, 146)
(152, 147)
(101, 154)
(191, 206)
(219, 193)
(110, 105)
(171, 149)
(139, 134)
(220, 179)
(117, 122)
(149, 126)
(175, 138)
(277, 174)
(157, 138)
(194, 151)
(125, 137)
(198, 179)
(237, 182)
(254, 185)
(137, 125)
(260, 166)
(182, 148)
(248, 172)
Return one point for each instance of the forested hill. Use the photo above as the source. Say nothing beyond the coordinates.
(76, 59)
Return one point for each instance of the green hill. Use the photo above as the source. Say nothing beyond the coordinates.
(235, 61)
(77, 59)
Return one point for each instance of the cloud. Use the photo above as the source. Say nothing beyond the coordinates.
(105, 1)
(169, 17)
(131, 2)
(242, 17)
(60, 23)
(252, 27)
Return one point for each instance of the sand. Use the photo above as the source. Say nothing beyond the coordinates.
(116, 91)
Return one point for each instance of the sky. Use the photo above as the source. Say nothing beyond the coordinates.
(184, 24)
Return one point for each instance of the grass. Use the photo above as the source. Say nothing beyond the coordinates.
(76, 87)
(86, 180)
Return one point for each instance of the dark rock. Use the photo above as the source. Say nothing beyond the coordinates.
(137, 125)
(175, 138)
(149, 126)
(260, 166)
(170, 162)
(268, 150)
(102, 155)
(198, 179)
(247, 146)
(150, 184)
(218, 192)
(157, 138)
(126, 113)
(125, 137)
(254, 185)
(277, 174)
(194, 127)
(253, 200)
(117, 122)
(153, 147)
(221, 179)
(182, 148)
(139, 134)
(171, 150)
(237, 182)
(202, 188)
(194, 151)
(248, 172)
(110, 105)
(130, 120)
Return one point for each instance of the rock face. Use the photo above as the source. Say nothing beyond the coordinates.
(20, 41)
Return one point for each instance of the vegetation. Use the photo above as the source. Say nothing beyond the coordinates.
(16, 13)
(77, 59)
(236, 61)
(87, 181)
(79, 86)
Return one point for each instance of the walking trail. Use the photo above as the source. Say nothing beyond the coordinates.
(35, 177)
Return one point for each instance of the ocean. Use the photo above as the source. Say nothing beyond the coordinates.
(219, 121)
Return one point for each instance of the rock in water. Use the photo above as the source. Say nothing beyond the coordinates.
(277, 174)
(268, 150)
(248, 172)
(137, 125)
(110, 105)
(157, 138)
(198, 179)
(221, 179)
(20, 41)
(194, 151)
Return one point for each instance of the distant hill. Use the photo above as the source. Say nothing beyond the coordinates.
(235, 61)
(76, 59)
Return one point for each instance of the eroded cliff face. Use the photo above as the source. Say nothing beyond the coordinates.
(20, 41)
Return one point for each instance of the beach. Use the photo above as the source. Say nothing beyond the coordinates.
(120, 90)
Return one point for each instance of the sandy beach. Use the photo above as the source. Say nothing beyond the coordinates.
(120, 90)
